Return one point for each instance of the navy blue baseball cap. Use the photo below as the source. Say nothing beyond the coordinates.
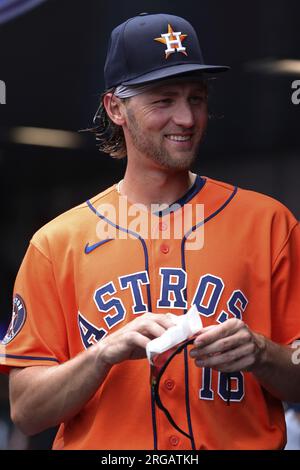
(153, 47)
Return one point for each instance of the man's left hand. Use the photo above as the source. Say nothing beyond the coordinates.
(228, 347)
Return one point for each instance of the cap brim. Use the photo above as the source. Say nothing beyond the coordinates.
(175, 70)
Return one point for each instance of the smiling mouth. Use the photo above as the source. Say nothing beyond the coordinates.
(179, 138)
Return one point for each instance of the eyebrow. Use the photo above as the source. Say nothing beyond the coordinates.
(174, 93)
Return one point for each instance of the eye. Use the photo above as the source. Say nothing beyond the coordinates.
(195, 100)
(163, 101)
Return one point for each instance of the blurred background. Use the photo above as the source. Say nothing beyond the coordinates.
(52, 55)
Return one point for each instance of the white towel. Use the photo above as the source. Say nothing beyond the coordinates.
(185, 327)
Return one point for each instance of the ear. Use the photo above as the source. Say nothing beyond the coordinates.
(114, 108)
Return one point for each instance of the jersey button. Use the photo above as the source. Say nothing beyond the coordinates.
(169, 384)
(174, 441)
(164, 249)
(162, 226)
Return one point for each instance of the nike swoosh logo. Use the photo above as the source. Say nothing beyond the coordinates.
(89, 248)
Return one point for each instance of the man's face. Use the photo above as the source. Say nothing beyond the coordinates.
(166, 124)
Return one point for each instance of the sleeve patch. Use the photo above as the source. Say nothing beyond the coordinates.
(17, 320)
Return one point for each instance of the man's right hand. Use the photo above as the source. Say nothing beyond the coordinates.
(57, 393)
(130, 341)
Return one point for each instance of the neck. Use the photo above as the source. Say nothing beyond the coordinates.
(155, 185)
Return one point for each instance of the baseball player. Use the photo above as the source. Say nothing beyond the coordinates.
(95, 288)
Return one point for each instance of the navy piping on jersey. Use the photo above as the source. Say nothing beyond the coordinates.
(183, 264)
(188, 196)
(211, 216)
(138, 237)
(31, 358)
(199, 183)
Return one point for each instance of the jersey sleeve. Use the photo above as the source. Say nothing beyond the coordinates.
(37, 332)
(286, 290)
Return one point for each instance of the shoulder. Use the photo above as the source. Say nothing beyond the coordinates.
(73, 225)
(253, 203)
(260, 219)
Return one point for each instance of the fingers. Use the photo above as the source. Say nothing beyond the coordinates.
(214, 333)
(134, 338)
(229, 361)
(151, 329)
(225, 344)
(162, 319)
(151, 324)
(243, 364)
(228, 347)
(130, 341)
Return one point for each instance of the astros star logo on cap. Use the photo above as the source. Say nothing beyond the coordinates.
(173, 40)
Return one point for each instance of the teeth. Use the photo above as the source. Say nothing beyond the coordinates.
(179, 138)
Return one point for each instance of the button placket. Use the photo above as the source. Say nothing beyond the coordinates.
(164, 248)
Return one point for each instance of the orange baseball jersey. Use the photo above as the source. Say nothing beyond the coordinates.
(76, 285)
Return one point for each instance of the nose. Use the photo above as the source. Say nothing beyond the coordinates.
(184, 115)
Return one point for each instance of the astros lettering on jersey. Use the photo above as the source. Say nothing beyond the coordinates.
(74, 289)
